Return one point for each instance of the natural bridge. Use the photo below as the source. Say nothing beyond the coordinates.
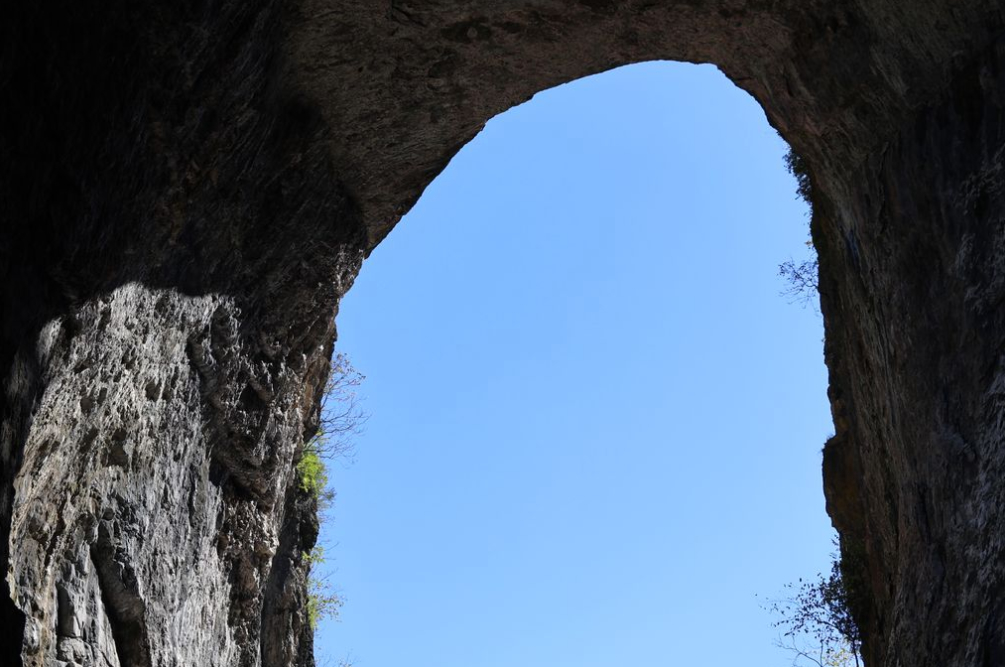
(188, 189)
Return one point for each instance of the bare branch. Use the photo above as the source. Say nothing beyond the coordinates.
(816, 622)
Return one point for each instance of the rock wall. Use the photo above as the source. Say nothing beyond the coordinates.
(915, 332)
(188, 188)
(175, 243)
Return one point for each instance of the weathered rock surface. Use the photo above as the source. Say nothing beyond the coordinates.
(188, 188)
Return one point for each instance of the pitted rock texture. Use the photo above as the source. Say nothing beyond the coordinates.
(188, 188)
(174, 245)
(142, 525)
(154, 538)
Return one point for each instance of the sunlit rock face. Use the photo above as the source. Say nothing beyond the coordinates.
(189, 188)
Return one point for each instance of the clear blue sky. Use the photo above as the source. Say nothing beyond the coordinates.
(596, 426)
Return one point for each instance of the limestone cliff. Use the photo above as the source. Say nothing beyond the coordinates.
(188, 188)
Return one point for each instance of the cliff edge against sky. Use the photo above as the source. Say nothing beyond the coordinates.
(188, 188)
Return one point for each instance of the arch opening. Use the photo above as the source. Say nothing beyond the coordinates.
(597, 423)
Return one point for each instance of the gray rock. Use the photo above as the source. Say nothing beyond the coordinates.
(188, 190)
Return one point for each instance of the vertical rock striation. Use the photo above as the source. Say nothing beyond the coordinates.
(187, 189)
(915, 275)
(175, 243)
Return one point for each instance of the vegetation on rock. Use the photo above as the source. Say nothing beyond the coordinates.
(322, 601)
(801, 277)
(341, 420)
(817, 623)
(801, 172)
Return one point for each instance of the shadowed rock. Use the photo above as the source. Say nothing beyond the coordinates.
(188, 188)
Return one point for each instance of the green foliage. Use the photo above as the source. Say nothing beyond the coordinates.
(312, 470)
(817, 623)
(854, 578)
(800, 171)
(313, 473)
(315, 556)
(322, 602)
(341, 420)
(802, 278)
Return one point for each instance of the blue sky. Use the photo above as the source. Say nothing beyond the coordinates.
(595, 425)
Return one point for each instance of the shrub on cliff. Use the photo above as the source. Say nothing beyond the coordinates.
(313, 472)
(816, 620)
(801, 172)
(801, 277)
(342, 417)
(322, 601)
(341, 420)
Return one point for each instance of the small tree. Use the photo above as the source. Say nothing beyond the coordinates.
(342, 420)
(817, 624)
(801, 172)
(322, 600)
(342, 417)
(802, 277)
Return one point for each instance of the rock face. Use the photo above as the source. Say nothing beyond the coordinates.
(188, 188)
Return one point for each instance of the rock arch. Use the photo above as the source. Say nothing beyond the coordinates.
(188, 189)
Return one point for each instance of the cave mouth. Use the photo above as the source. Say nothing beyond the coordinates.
(596, 422)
